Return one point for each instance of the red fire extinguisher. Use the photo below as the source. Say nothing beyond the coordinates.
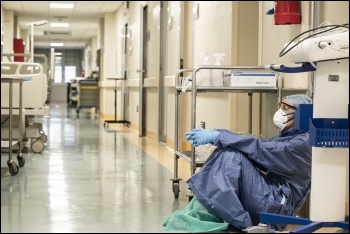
(287, 12)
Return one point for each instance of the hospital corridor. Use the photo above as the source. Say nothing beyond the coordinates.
(89, 179)
(174, 116)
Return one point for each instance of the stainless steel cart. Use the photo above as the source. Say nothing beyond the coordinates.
(8, 145)
(190, 155)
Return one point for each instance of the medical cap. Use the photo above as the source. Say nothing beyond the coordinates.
(298, 99)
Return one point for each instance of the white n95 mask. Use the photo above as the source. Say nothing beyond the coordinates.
(280, 119)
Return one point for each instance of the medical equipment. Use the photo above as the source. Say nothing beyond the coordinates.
(8, 81)
(88, 95)
(329, 127)
(329, 42)
(33, 104)
(107, 122)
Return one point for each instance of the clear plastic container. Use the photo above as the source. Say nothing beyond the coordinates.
(202, 152)
(218, 74)
(204, 78)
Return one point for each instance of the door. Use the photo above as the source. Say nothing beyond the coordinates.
(143, 72)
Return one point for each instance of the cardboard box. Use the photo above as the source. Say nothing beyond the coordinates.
(253, 79)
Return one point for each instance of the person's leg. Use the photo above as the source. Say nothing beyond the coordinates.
(262, 193)
(217, 187)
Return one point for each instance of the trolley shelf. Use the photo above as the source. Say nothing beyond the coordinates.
(184, 154)
(187, 155)
(203, 89)
(6, 144)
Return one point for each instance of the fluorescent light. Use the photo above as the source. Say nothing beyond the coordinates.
(58, 53)
(62, 5)
(59, 25)
(56, 43)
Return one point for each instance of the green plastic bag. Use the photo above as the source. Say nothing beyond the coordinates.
(194, 218)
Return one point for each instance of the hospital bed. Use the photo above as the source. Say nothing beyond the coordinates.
(34, 96)
(43, 61)
(39, 58)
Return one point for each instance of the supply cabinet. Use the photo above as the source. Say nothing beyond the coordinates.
(229, 86)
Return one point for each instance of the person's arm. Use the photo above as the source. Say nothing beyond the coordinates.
(281, 155)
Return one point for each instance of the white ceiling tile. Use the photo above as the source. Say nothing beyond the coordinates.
(83, 19)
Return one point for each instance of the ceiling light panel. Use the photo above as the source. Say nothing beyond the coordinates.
(56, 44)
(59, 25)
(62, 5)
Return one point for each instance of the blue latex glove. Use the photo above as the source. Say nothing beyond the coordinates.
(200, 136)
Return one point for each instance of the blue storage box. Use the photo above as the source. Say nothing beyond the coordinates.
(329, 133)
(302, 116)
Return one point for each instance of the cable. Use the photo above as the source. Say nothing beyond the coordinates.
(284, 51)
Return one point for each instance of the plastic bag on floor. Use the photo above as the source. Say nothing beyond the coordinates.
(194, 218)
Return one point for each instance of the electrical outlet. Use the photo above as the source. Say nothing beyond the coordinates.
(202, 124)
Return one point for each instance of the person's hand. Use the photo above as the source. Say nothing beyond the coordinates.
(201, 136)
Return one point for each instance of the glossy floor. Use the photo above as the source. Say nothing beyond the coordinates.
(89, 179)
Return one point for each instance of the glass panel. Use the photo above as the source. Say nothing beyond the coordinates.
(69, 73)
(58, 74)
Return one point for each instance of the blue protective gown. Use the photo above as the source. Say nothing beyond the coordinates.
(246, 175)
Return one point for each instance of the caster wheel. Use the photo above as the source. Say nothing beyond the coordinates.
(42, 137)
(21, 161)
(176, 190)
(13, 168)
(37, 146)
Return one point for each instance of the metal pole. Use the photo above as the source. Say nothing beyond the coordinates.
(32, 43)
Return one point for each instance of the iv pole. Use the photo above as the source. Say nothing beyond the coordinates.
(32, 24)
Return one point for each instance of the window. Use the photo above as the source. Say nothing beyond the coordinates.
(69, 73)
(58, 74)
(67, 63)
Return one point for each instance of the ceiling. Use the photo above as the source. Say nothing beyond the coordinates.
(83, 19)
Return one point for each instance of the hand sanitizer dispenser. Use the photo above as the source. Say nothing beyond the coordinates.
(204, 74)
(218, 74)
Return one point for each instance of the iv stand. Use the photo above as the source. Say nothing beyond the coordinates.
(107, 122)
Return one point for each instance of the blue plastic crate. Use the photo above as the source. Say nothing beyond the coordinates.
(302, 116)
(329, 133)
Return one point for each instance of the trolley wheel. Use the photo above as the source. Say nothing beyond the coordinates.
(42, 137)
(21, 161)
(176, 190)
(37, 146)
(190, 197)
(13, 167)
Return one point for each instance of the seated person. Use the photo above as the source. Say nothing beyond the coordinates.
(247, 175)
